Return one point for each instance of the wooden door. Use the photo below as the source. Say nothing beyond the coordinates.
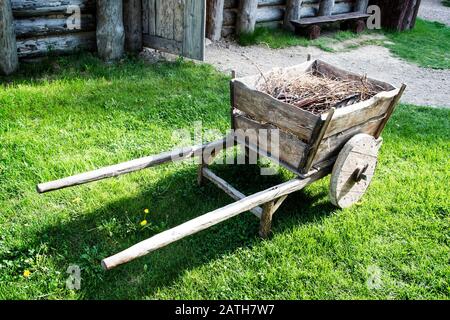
(175, 26)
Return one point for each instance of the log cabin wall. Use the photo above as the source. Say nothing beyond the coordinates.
(44, 26)
(270, 13)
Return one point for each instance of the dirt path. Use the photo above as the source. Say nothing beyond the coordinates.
(434, 10)
(425, 86)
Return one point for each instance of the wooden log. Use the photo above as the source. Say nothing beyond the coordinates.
(36, 27)
(361, 6)
(268, 14)
(293, 12)
(208, 220)
(110, 30)
(214, 19)
(9, 61)
(247, 16)
(229, 189)
(130, 166)
(326, 7)
(30, 8)
(132, 20)
(398, 15)
(36, 47)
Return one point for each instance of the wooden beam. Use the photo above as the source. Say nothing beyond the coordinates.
(132, 20)
(33, 8)
(326, 7)
(130, 166)
(9, 61)
(214, 19)
(229, 189)
(293, 12)
(110, 30)
(247, 16)
(207, 220)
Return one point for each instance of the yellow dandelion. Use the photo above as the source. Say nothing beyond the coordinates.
(143, 223)
(26, 273)
(146, 211)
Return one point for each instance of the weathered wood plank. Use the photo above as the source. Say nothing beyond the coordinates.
(291, 150)
(9, 61)
(331, 146)
(36, 47)
(164, 18)
(145, 16)
(207, 220)
(152, 17)
(331, 19)
(166, 45)
(359, 113)
(268, 109)
(178, 20)
(194, 29)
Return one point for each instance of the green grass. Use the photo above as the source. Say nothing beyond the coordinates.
(77, 114)
(446, 3)
(427, 45)
(280, 38)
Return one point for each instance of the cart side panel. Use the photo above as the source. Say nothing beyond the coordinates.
(291, 149)
(265, 108)
(357, 114)
(331, 146)
(365, 117)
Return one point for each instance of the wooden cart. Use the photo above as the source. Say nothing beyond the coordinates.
(344, 141)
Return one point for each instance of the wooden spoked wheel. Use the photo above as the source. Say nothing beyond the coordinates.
(353, 170)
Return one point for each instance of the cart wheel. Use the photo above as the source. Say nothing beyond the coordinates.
(353, 170)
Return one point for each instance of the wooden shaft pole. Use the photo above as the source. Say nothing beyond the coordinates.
(9, 61)
(207, 220)
(130, 166)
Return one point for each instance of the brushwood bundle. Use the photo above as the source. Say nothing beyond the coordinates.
(316, 92)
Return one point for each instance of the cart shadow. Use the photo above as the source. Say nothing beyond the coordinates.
(82, 241)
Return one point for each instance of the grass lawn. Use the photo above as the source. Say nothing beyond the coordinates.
(427, 45)
(77, 114)
(446, 3)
